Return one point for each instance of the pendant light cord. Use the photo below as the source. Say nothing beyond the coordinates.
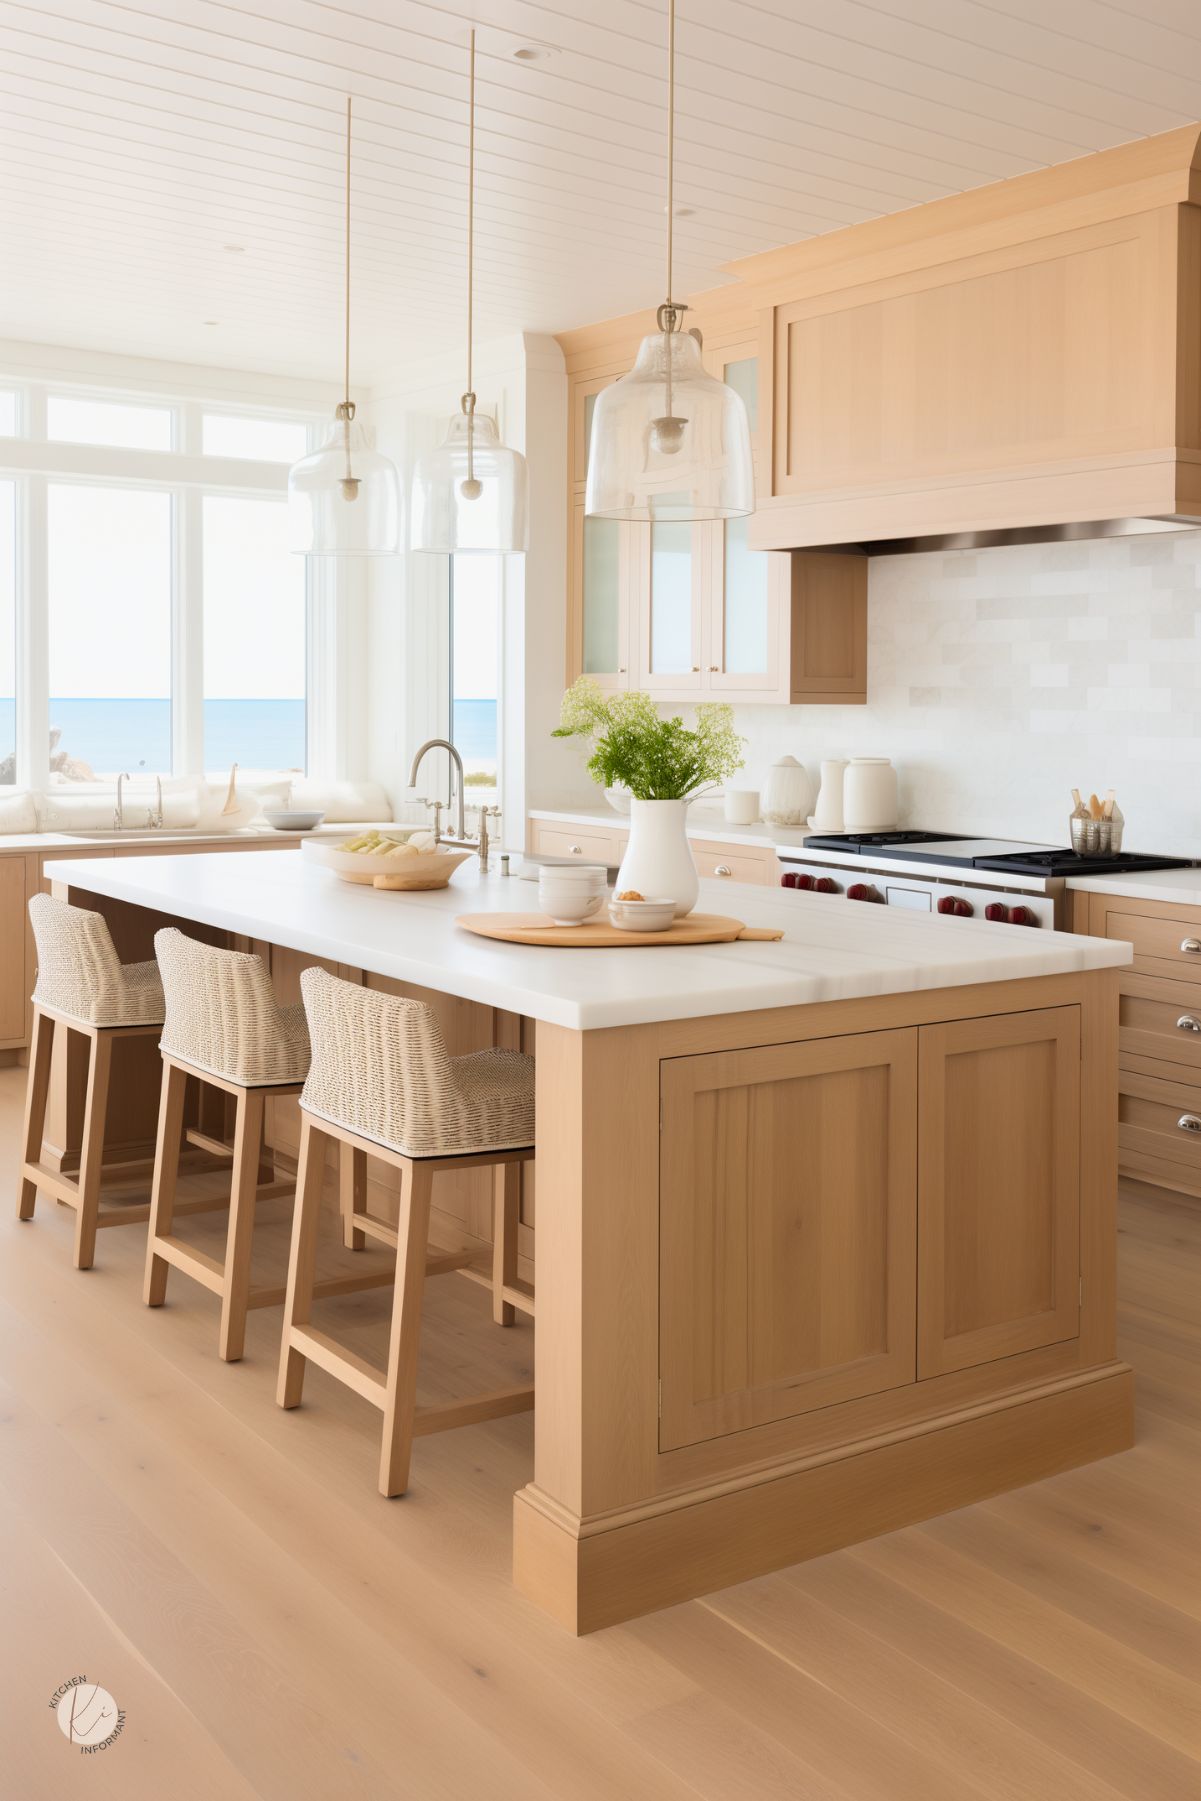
(469, 397)
(346, 345)
(670, 319)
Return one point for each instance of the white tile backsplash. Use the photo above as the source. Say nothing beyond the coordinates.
(1000, 679)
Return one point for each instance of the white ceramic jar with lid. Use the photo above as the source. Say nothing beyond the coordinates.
(869, 795)
(786, 793)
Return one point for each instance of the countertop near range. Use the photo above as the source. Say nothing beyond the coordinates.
(1179, 886)
(832, 949)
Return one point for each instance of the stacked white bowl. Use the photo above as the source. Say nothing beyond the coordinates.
(572, 892)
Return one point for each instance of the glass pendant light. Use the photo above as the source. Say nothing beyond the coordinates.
(470, 493)
(669, 441)
(344, 500)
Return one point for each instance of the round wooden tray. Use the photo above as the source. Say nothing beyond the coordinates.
(598, 934)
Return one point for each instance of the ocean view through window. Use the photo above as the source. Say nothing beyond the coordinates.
(8, 633)
(475, 593)
(109, 588)
(255, 601)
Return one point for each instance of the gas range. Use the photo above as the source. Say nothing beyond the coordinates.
(997, 879)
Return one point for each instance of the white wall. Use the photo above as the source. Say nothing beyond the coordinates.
(1000, 679)
(522, 381)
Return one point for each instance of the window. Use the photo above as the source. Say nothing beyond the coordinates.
(265, 440)
(109, 592)
(8, 413)
(8, 633)
(254, 637)
(475, 590)
(73, 419)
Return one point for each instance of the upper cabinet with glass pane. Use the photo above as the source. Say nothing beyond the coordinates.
(686, 611)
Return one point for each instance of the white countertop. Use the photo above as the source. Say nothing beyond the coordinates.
(1181, 886)
(703, 825)
(83, 840)
(833, 949)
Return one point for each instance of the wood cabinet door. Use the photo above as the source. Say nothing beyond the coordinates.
(15, 979)
(998, 1187)
(787, 1230)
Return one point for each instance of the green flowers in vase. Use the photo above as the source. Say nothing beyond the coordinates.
(655, 758)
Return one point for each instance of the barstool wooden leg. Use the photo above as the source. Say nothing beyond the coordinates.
(91, 1148)
(166, 1173)
(36, 1095)
(352, 1193)
(248, 1134)
(401, 1393)
(506, 1212)
(302, 1259)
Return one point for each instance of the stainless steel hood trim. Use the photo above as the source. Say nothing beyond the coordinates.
(1081, 530)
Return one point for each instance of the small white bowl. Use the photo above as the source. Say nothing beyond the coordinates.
(293, 822)
(643, 915)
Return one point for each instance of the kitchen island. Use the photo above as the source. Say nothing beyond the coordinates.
(824, 1228)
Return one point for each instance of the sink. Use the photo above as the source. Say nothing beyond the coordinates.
(143, 833)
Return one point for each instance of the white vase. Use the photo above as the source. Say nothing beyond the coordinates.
(786, 793)
(827, 815)
(658, 862)
(869, 795)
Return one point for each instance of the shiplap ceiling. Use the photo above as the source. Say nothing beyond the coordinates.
(173, 162)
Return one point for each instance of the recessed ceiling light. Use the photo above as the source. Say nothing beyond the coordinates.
(682, 212)
(234, 249)
(532, 53)
(210, 321)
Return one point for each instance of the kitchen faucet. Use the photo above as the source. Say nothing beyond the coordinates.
(459, 801)
(154, 816)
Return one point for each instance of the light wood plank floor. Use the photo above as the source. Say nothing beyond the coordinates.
(273, 1629)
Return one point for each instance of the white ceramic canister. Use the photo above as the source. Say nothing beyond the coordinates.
(786, 793)
(869, 795)
(742, 805)
(827, 815)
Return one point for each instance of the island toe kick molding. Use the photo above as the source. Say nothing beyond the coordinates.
(813, 1275)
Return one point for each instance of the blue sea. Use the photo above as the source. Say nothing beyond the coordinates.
(110, 735)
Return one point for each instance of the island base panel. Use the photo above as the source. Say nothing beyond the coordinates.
(698, 1545)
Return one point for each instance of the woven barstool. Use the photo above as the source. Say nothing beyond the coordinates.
(83, 986)
(223, 1027)
(382, 1084)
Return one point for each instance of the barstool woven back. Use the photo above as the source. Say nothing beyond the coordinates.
(380, 1068)
(222, 1015)
(80, 974)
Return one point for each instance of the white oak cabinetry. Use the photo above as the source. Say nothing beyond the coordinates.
(1159, 1038)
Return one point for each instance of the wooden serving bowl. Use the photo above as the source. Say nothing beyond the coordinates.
(423, 870)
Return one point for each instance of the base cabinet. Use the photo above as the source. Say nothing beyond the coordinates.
(998, 1187)
(787, 1230)
(849, 1215)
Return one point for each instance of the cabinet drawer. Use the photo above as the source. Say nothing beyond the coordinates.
(733, 862)
(1159, 1117)
(590, 845)
(1162, 945)
(1161, 1019)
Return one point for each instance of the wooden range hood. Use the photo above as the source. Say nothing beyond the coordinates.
(1016, 363)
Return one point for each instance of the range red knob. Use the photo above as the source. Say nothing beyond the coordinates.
(804, 881)
(996, 911)
(964, 908)
(824, 885)
(859, 891)
(788, 880)
(1022, 916)
(948, 904)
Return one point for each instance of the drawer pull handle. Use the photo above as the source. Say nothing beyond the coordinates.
(1191, 946)
(1189, 1122)
(1188, 1022)
(722, 869)
(576, 850)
